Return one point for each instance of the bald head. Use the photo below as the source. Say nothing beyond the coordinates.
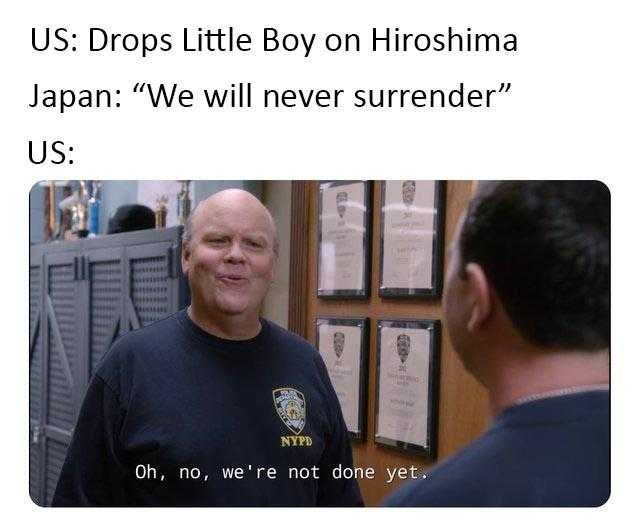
(231, 201)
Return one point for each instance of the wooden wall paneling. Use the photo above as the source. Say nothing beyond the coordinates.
(298, 263)
(462, 402)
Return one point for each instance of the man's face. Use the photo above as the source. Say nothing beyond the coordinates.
(230, 258)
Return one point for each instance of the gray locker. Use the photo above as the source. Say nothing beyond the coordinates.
(82, 296)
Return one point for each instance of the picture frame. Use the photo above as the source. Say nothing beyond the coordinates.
(407, 384)
(344, 239)
(412, 219)
(338, 337)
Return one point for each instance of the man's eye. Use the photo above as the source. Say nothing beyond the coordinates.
(217, 240)
(253, 243)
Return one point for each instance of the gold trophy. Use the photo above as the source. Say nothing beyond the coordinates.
(161, 212)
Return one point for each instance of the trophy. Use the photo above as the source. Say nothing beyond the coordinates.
(161, 212)
(184, 202)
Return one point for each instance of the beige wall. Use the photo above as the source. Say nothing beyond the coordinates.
(276, 195)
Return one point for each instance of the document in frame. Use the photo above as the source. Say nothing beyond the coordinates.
(343, 239)
(341, 343)
(406, 376)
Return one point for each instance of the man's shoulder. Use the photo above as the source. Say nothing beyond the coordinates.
(289, 339)
(297, 351)
(136, 345)
(522, 461)
(458, 481)
(149, 335)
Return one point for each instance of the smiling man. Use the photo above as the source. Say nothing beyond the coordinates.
(213, 406)
(229, 258)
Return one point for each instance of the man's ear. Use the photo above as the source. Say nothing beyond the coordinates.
(185, 258)
(480, 296)
(272, 276)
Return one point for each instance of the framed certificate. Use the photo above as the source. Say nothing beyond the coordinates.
(344, 234)
(344, 346)
(407, 385)
(412, 238)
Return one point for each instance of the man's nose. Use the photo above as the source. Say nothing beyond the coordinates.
(235, 253)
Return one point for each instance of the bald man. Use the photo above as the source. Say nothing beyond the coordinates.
(212, 406)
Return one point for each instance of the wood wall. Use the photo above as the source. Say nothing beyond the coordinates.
(462, 405)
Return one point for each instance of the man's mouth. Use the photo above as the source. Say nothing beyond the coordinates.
(232, 279)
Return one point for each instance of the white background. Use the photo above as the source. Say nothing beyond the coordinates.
(572, 113)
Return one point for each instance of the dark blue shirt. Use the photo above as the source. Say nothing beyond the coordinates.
(550, 452)
(171, 397)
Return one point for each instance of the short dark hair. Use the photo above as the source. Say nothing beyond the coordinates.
(545, 248)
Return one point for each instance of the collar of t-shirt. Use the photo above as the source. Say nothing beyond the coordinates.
(554, 410)
(232, 348)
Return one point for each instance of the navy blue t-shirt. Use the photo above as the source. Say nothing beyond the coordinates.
(171, 397)
(550, 452)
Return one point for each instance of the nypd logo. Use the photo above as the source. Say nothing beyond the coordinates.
(291, 408)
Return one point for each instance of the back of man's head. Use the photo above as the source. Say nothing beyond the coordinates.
(545, 247)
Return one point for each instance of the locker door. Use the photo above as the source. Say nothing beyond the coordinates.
(151, 274)
(105, 282)
(62, 363)
(36, 373)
